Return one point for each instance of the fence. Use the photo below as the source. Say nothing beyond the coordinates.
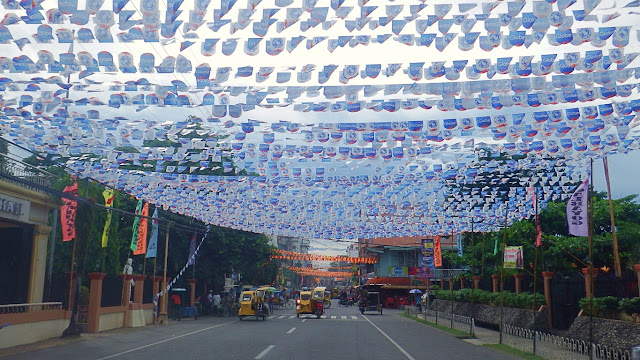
(147, 293)
(625, 286)
(453, 321)
(551, 346)
(23, 308)
(111, 291)
(545, 345)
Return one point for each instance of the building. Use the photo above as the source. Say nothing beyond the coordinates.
(25, 209)
(399, 267)
(294, 244)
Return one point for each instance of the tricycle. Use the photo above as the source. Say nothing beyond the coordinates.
(177, 310)
(252, 304)
(370, 302)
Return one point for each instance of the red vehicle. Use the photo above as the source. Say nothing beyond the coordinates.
(318, 301)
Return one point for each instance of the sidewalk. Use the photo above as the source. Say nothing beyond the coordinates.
(482, 335)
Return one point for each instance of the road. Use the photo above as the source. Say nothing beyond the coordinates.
(343, 333)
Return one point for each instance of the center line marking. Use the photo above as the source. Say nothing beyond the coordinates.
(290, 331)
(390, 339)
(264, 352)
(303, 320)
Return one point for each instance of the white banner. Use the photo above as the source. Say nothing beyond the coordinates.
(577, 212)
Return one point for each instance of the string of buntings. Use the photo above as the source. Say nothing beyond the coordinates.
(319, 273)
(475, 103)
(291, 255)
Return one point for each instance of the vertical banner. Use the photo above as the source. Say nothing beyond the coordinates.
(577, 211)
(136, 222)
(459, 245)
(513, 257)
(141, 244)
(68, 213)
(108, 195)
(427, 257)
(152, 249)
(192, 251)
(437, 253)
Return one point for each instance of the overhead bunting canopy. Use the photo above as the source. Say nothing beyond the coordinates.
(337, 119)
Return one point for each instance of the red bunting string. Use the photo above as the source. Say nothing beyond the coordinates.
(291, 255)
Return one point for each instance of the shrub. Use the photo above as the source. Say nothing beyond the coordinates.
(630, 306)
(601, 306)
(521, 301)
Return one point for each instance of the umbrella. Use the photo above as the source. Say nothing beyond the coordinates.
(415, 291)
(271, 289)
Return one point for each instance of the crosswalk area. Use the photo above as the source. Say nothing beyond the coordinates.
(328, 317)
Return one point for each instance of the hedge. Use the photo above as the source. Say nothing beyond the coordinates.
(520, 301)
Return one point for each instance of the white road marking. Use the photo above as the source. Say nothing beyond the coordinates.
(343, 317)
(292, 317)
(354, 317)
(290, 331)
(264, 352)
(390, 339)
(303, 320)
(163, 341)
(282, 317)
(333, 317)
(323, 317)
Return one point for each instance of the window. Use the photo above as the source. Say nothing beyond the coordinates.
(305, 296)
(246, 297)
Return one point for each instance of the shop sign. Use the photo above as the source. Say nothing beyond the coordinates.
(14, 208)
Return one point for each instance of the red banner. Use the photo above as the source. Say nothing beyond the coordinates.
(141, 244)
(68, 213)
(437, 253)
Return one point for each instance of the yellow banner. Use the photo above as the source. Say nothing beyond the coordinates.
(108, 195)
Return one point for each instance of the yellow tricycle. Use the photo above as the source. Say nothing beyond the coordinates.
(252, 304)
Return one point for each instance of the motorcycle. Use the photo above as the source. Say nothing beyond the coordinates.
(346, 302)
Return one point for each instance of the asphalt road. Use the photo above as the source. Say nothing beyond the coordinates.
(342, 334)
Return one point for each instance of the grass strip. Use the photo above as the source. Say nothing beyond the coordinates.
(515, 352)
(457, 333)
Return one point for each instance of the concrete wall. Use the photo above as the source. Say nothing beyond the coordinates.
(20, 334)
(114, 320)
(148, 316)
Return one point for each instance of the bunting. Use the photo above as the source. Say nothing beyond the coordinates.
(518, 95)
(109, 196)
(141, 243)
(135, 228)
(152, 249)
(68, 213)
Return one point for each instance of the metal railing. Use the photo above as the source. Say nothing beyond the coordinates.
(551, 346)
(24, 171)
(453, 321)
(31, 307)
(545, 345)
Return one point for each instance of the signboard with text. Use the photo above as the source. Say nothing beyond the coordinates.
(399, 271)
(513, 257)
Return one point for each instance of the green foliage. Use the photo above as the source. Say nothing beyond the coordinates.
(559, 250)
(630, 306)
(601, 306)
(521, 301)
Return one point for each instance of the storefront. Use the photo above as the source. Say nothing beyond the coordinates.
(24, 233)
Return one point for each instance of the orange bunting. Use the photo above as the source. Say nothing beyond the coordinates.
(291, 255)
(319, 273)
